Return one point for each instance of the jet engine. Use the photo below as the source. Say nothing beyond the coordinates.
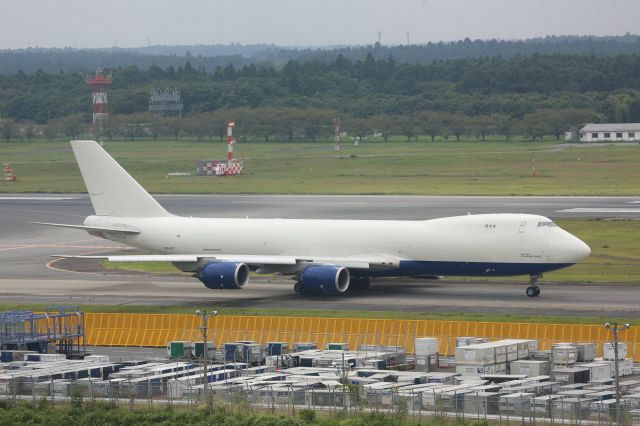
(324, 279)
(224, 275)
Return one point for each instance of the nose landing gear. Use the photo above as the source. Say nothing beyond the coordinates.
(533, 290)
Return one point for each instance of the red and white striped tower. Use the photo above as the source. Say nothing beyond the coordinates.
(533, 165)
(9, 175)
(230, 140)
(99, 83)
(336, 131)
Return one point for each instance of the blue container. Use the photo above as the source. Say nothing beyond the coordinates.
(6, 356)
(230, 352)
(33, 357)
(306, 362)
(277, 348)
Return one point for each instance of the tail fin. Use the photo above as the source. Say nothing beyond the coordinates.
(112, 190)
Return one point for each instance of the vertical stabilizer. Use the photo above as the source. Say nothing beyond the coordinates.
(112, 190)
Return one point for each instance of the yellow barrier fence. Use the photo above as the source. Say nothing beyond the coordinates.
(155, 330)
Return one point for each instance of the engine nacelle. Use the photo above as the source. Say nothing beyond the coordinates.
(221, 275)
(325, 279)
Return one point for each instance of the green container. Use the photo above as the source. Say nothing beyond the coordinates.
(177, 349)
(198, 350)
(338, 347)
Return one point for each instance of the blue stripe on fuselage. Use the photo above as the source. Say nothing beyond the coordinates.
(472, 269)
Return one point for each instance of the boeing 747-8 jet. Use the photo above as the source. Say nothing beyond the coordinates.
(323, 256)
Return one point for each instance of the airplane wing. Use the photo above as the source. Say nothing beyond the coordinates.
(274, 263)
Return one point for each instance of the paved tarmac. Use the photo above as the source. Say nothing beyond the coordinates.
(29, 274)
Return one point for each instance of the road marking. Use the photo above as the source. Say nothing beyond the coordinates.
(633, 202)
(291, 203)
(598, 210)
(37, 198)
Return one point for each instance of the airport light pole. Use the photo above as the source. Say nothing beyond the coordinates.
(205, 317)
(615, 328)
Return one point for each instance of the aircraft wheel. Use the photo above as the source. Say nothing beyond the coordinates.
(297, 287)
(533, 291)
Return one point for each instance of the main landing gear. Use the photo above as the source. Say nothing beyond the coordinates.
(533, 290)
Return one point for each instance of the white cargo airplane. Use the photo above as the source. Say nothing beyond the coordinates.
(324, 256)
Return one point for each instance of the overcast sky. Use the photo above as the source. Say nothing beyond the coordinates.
(133, 23)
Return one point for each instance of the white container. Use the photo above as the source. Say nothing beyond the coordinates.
(516, 403)
(422, 363)
(564, 354)
(625, 367)
(97, 358)
(530, 368)
(462, 341)
(598, 370)
(478, 340)
(480, 370)
(570, 375)
(426, 346)
(586, 352)
(481, 403)
(52, 357)
(476, 354)
(523, 346)
(60, 389)
(501, 351)
(608, 352)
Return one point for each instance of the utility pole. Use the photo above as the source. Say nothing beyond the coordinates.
(615, 328)
(205, 378)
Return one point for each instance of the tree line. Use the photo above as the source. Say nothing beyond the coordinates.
(209, 57)
(503, 93)
(309, 123)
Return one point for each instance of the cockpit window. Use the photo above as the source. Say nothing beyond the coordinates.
(549, 224)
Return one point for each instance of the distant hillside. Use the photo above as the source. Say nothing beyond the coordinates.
(209, 57)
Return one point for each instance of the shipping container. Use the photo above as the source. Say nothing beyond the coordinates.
(530, 368)
(564, 354)
(337, 346)
(541, 355)
(476, 354)
(598, 371)
(570, 375)
(179, 349)
(426, 346)
(481, 403)
(586, 352)
(524, 347)
(304, 346)
(517, 404)
(277, 348)
(608, 351)
(197, 349)
(479, 370)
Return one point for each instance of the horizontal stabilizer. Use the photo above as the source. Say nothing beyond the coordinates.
(112, 230)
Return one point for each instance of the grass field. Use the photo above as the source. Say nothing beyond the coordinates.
(328, 313)
(398, 167)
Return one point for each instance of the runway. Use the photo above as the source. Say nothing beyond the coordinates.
(27, 276)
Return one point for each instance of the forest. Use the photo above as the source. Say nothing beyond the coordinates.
(531, 95)
(209, 57)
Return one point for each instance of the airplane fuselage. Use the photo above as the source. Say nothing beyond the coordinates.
(472, 245)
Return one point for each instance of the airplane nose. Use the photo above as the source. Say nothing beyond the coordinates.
(582, 249)
(568, 248)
